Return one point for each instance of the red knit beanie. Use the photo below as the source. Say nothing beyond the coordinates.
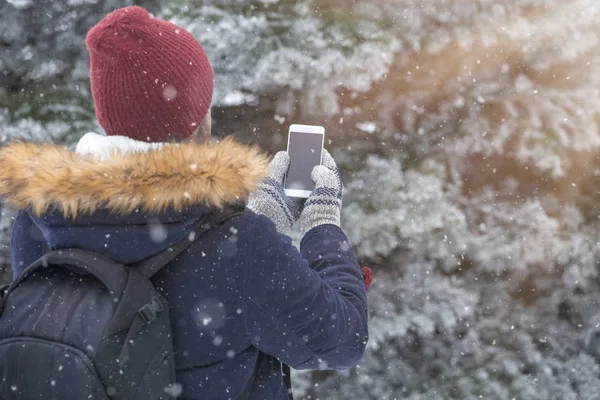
(151, 80)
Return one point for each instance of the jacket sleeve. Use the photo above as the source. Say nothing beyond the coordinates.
(309, 308)
(27, 243)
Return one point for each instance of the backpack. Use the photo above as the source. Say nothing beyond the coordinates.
(77, 325)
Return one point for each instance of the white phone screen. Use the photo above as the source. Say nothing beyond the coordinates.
(305, 153)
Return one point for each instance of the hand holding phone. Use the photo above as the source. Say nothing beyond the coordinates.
(324, 205)
(270, 200)
(305, 148)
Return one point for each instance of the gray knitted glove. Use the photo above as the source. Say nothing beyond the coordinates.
(270, 199)
(324, 205)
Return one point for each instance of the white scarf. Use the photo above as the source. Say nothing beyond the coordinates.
(103, 147)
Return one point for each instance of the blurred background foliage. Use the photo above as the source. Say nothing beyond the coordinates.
(467, 131)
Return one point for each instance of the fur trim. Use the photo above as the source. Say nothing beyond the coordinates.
(42, 177)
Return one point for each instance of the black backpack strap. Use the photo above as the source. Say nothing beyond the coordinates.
(248, 388)
(151, 265)
(287, 379)
(112, 275)
(147, 268)
(3, 289)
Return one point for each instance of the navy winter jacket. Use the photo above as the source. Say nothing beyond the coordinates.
(243, 298)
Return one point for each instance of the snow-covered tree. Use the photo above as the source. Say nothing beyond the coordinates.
(468, 137)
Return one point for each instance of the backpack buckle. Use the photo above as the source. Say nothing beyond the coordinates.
(150, 310)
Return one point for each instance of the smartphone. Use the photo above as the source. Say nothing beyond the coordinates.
(305, 147)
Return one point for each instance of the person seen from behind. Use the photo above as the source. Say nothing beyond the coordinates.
(243, 300)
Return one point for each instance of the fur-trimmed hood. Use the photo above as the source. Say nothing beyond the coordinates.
(41, 177)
